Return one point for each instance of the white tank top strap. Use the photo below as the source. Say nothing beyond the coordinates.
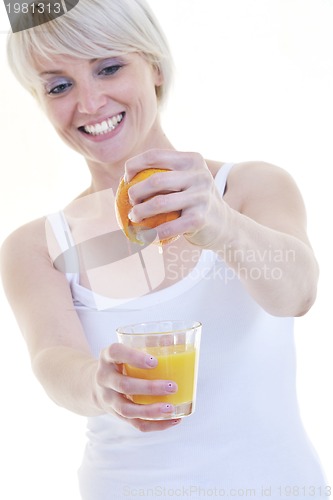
(61, 230)
(222, 176)
(64, 238)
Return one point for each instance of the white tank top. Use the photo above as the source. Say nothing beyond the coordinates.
(245, 438)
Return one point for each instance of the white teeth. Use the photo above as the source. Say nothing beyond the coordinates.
(105, 126)
(110, 123)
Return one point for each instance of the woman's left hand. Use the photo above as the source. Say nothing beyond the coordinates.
(188, 187)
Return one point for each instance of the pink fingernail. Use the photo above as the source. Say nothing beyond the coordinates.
(132, 217)
(130, 199)
(171, 387)
(151, 361)
(167, 408)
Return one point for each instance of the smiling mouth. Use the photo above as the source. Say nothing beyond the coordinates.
(104, 127)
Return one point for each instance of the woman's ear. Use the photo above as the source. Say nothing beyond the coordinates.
(159, 80)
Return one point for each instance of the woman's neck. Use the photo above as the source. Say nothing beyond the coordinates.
(108, 175)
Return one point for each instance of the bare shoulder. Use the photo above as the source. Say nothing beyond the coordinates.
(248, 180)
(252, 182)
(258, 177)
(22, 252)
(268, 194)
(23, 240)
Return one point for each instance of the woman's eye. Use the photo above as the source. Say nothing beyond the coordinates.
(110, 70)
(58, 89)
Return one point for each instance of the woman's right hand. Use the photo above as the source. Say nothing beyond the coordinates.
(112, 389)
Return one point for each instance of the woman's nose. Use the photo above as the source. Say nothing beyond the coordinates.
(91, 98)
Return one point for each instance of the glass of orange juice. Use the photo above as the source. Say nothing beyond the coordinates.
(175, 344)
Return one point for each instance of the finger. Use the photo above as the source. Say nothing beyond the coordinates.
(131, 385)
(188, 223)
(160, 182)
(119, 353)
(159, 204)
(161, 158)
(151, 425)
(127, 409)
(155, 425)
(181, 190)
(112, 359)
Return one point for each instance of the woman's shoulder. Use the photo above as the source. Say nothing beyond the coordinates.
(26, 239)
(23, 258)
(257, 178)
(27, 230)
(247, 169)
(243, 171)
(258, 168)
(253, 180)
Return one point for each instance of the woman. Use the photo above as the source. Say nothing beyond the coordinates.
(242, 265)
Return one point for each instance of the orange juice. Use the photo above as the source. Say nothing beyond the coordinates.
(175, 362)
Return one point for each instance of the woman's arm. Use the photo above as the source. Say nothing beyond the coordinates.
(265, 241)
(41, 300)
(259, 227)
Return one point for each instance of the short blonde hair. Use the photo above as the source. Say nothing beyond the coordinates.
(93, 29)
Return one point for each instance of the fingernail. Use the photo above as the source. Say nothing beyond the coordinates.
(151, 361)
(171, 387)
(175, 422)
(131, 216)
(129, 194)
(167, 408)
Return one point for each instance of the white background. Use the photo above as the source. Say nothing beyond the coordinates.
(254, 82)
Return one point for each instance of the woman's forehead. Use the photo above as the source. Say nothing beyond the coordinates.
(56, 63)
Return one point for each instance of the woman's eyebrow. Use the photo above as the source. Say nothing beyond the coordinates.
(51, 72)
(60, 71)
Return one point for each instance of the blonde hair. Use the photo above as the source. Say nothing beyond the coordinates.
(92, 29)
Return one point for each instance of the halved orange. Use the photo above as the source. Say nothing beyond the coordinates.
(123, 207)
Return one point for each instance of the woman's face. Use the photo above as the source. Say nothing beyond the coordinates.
(106, 109)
